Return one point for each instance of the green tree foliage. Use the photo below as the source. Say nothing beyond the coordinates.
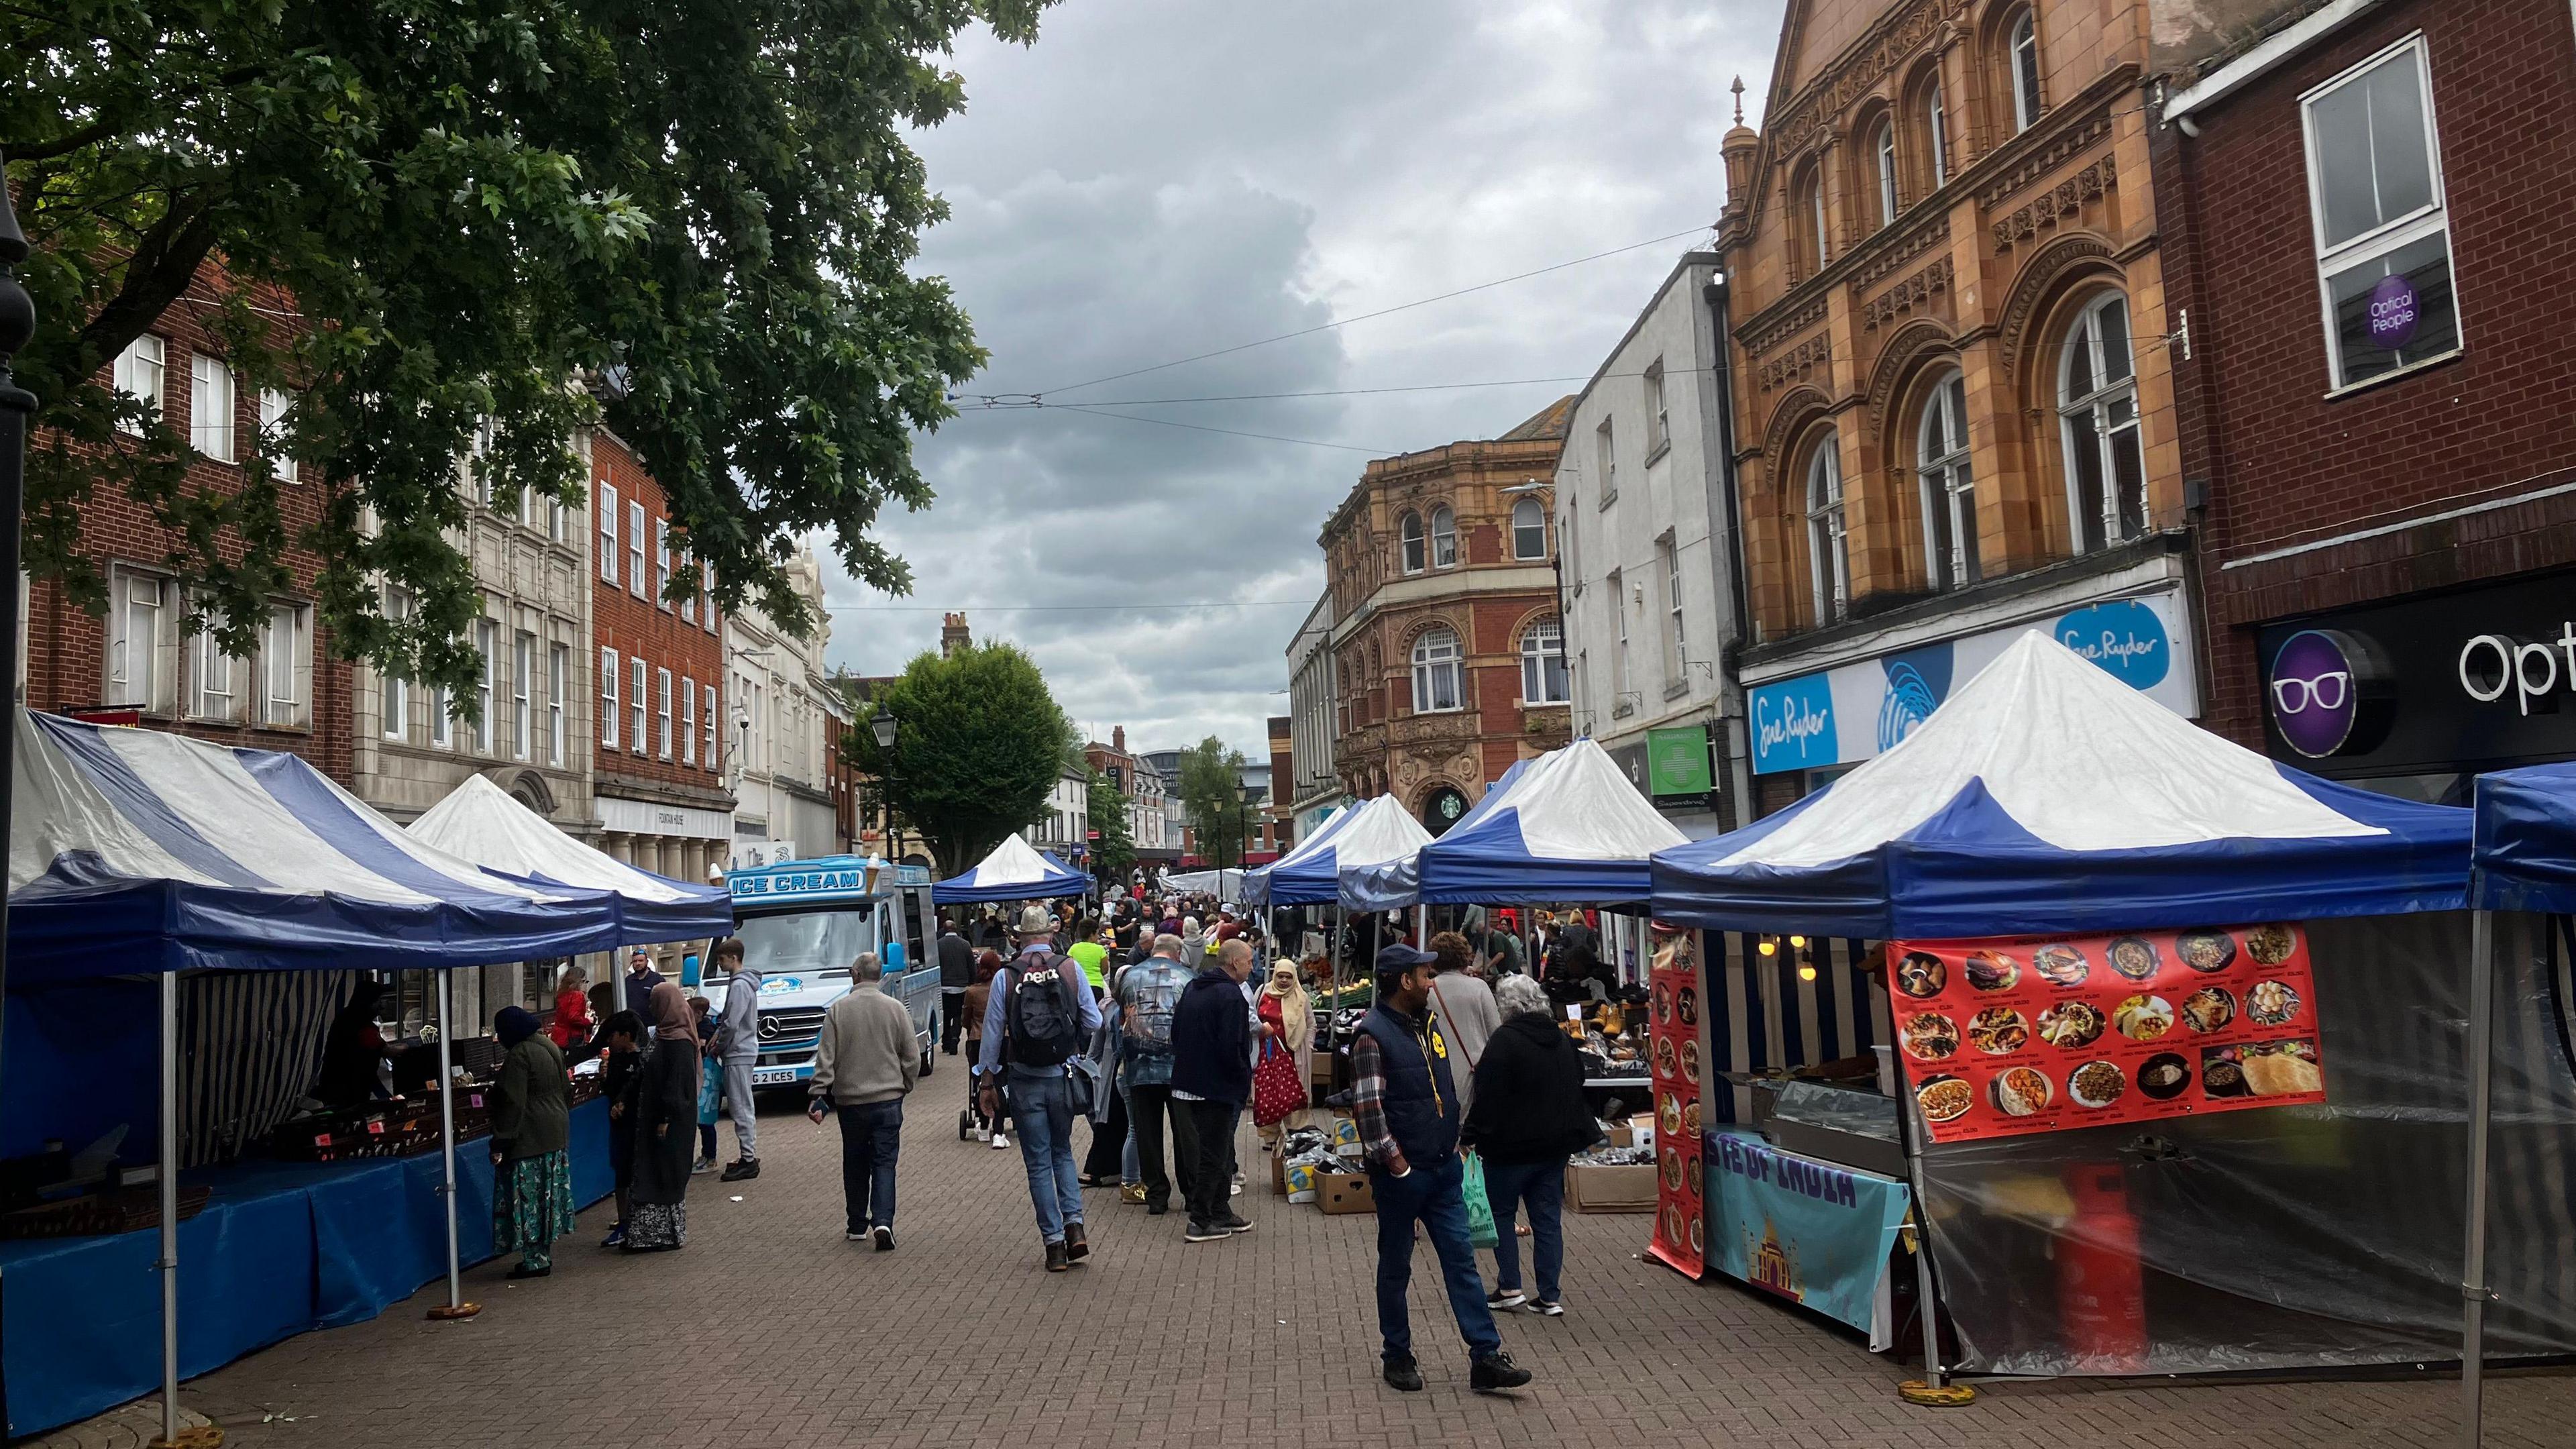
(691, 219)
(1211, 791)
(1115, 850)
(978, 744)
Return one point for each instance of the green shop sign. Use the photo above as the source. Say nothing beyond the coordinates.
(1677, 761)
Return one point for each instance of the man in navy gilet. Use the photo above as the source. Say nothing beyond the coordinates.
(1406, 1102)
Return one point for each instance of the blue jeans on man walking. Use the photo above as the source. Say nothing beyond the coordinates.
(871, 1138)
(1541, 1185)
(1432, 1193)
(1044, 1113)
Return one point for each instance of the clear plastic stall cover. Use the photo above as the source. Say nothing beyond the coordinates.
(2295, 1236)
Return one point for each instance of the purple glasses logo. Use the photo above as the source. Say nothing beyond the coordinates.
(2394, 312)
(2315, 701)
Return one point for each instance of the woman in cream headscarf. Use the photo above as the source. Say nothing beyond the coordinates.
(1280, 1075)
(666, 1122)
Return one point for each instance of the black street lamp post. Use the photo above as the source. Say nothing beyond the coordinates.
(17, 410)
(883, 727)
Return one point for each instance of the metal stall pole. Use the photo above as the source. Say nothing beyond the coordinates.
(168, 1263)
(1934, 1390)
(455, 1307)
(2474, 1293)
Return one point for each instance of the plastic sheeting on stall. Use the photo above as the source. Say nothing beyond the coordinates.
(2292, 1237)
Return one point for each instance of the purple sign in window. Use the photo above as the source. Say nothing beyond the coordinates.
(2314, 703)
(2394, 312)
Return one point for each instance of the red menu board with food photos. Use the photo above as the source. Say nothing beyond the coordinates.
(1681, 1236)
(2001, 1037)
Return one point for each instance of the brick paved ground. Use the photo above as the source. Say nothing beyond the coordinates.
(770, 1332)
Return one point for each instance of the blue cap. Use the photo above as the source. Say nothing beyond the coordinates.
(1398, 958)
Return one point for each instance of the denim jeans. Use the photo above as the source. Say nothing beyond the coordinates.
(1432, 1193)
(1541, 1185)
(1043, 1112)
(871, 1138)
(1131, 1169)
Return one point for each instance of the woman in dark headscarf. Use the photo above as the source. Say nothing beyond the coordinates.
(666, 1119)
(354, 1051)
(531, 1132)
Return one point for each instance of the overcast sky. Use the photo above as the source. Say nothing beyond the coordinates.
(1159, 178)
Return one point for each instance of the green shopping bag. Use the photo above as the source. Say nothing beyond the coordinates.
(1480, 1213)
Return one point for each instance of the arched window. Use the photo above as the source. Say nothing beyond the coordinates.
(1438, 682)
(1410, 529)
(1444, 538)
(1936, 133)
(1885, 152)
(1828, 539)
(1529, 529)
(1811, 220)
(1543, 664)
(1949, 488)
(2025, 71)
(2097, 403)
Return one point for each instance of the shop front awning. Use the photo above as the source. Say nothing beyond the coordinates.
(2047, 797)
(138, 851)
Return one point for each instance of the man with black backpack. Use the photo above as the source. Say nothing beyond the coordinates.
(1040, 1016)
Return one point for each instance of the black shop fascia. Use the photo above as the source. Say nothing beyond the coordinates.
(2419, 696)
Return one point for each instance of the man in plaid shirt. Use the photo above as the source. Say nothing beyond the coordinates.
(1405, 1102)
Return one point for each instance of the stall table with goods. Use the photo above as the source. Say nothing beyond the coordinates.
(253, 888)
(2180, 1033)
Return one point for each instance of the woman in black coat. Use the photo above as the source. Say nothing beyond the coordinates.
(665, 1126)
(1528, 1116)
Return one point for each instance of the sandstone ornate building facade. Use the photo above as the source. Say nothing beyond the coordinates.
(1955, 407)
(1446, 653)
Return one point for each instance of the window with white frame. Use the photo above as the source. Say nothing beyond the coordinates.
(1444, 538)
(662, 562)
(1936, 121)
(1605, 458)
(557, 528)
(1543, 663)
(1812, 190)
(141, 640)
(707, 597)
(1949, 486)
(1828, 537)
(487, 646)
(2025, 71)
(214, 676)
(478, 473)
(1438, 673)
(1676, 642)
(138, 376)
(1619, 660)
(558, 692)
(1408, 531)
(689, 601)
(273, 408)
(1529, 529)
(608, 533)
(394, 691)
(286, 666)
(523, 678)
(608, 678)
(1659, 422)
(1885, 151)
(2097, 408)
(662, 712)
(2383, 230)
(688, 720)
(210, 407)
(636, 707)
(637, 581)
(707, 743)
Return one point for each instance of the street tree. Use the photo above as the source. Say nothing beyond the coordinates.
(1115, 850)
(493, 224)
(1211, 791)
(978, 745)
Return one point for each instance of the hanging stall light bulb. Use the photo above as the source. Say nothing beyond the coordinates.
(1798, 941)
(1806, 971)
(1767, 948)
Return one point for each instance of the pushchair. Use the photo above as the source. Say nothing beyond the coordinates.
(971, 1121)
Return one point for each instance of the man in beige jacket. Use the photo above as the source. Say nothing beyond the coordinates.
(863, 1067)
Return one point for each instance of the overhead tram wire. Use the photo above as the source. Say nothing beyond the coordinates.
(1381, 312)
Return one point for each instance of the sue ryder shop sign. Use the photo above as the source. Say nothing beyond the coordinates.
(1854, 712)
(2472, 680)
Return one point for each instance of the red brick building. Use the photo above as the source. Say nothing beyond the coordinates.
(663, 790)
(291, 693)
(1444, 597)
(2372, 373)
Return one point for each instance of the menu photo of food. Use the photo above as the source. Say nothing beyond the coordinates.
(2005, 1037)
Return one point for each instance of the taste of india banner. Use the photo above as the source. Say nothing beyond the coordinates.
(1674, 1046)
(1812, 1232)
(2006, 1037)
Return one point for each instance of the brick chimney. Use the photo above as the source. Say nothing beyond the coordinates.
(1118, 738)
(953, 635)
